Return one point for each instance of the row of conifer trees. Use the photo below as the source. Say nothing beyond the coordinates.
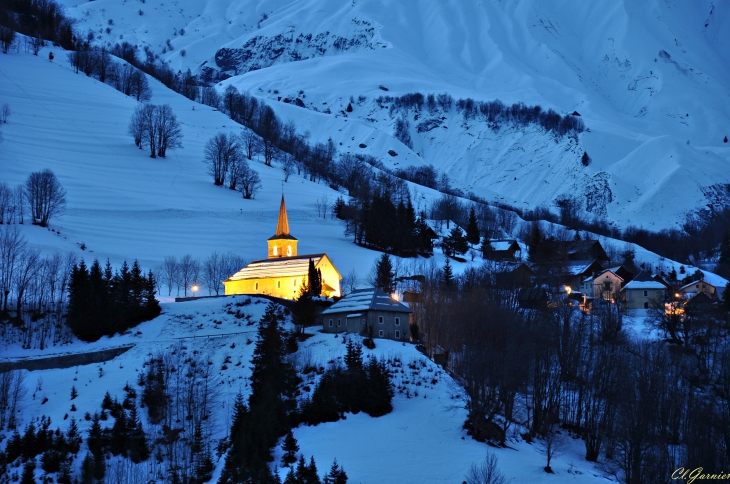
(104, 302)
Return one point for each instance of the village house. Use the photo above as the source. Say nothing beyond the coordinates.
(515, 275)
(579, 250)
(368, 312)
(693, 288)
(643, 292)
(503, 250)
(575, 272)
(605, 285)
(284, 272)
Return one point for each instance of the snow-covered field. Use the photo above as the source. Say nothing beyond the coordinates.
(647, 79)
(422, 440)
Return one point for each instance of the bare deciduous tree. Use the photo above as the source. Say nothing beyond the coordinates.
(486, 473)
(12, 245)
(249, 181)
(169, 134)
(189, 272)
(222, 151)
(214, 273)
(5, 113)
(7, 36)
(169, 272)
(155, 127)
(250, 143)
(45, 196)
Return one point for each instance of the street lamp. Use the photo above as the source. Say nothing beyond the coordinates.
(195, 289)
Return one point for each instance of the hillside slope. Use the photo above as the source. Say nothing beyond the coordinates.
(648, 81)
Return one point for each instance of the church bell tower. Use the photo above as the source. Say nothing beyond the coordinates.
(282, 244)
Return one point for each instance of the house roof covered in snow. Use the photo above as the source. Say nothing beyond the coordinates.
(370, 299)
(278, 267)
(583, 267)
(502, 245)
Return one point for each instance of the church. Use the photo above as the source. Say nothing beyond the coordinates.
(284, 271)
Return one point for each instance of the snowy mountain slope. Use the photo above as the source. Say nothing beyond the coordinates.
(647, 78)
(372, 450)
(122, 204)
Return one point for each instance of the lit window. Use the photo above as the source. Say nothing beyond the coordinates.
(276, 250)
(380, 319)
(380, 333)
(330, 323)
(397, 334)
(397, 321)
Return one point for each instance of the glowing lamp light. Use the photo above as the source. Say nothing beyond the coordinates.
(195, 289)
(394, 296)
(568, 290)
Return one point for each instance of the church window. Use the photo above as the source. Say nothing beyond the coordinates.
(380, 320)
(339, 322)
(256, 286)
(380, 333)
(276, 250)
(288, 250)
(330, 323)
(295, 283)
(397, 321)
(278, 284)
(397, 334)
(646, 293)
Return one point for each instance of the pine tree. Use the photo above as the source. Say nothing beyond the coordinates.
(336, 475)
(353, 356)
(28, 476)
(74, 392)
(585, 159)
(447, 275)
(273, 383)
(310, 475)
(472, 229)
(313, 287)
(88, 465)
(534, 243)
(73, 437)
(384, 276)
(290, 448)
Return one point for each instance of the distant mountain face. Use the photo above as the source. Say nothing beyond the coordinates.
(648, 79)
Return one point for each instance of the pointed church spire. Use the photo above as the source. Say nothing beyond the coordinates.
(282, 225)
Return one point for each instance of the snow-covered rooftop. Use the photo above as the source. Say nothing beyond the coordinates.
(371, 299)
(644, 285)
(503, 244)
(281, 267)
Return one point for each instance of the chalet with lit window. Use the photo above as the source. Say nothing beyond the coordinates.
(284, 271)
(368, 312)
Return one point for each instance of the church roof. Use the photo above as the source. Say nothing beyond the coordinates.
(371, 299)
(282, 224)
(279, 267)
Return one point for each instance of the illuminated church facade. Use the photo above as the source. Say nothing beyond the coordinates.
(283, 272)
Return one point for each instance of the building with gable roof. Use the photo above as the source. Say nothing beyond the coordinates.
(368, 312)
(284, 272)
(643, 292)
